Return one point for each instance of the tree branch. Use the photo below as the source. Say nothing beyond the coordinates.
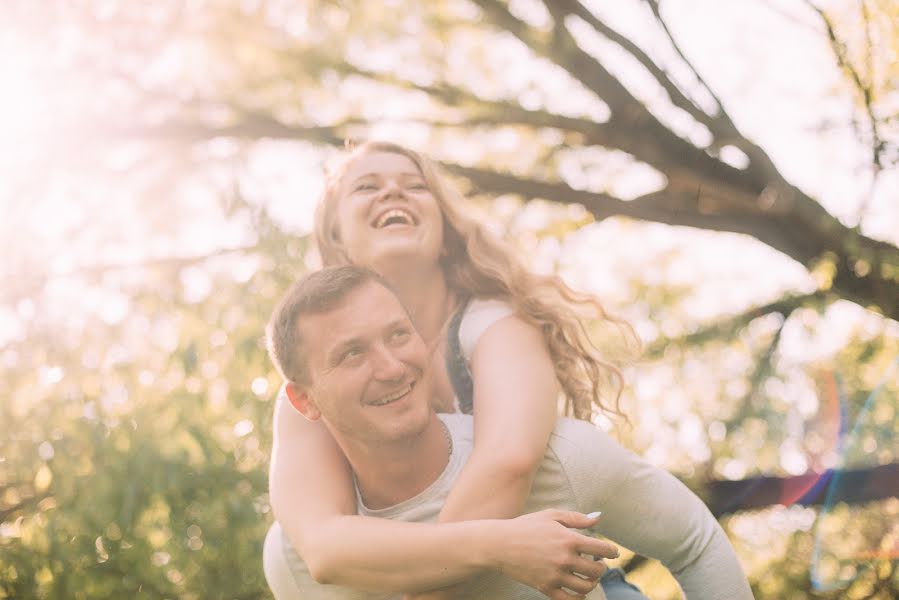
(504, 112)
(839, 50)
(247, 125)
(856, 486)
(7, 512)
(672, 206)
(723, 127)
(654, 7)
(33, 283)
(675, 94)
(782, 217)
(666, 148)
(725, 327)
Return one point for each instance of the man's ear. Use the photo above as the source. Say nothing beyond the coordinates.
(300, 399)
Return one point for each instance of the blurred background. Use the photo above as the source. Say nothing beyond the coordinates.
(722, 174)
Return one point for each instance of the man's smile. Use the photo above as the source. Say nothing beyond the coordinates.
(394, 396)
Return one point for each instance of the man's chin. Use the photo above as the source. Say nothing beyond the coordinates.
(406, 429)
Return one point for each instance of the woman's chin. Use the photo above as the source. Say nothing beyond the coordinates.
(402, 256)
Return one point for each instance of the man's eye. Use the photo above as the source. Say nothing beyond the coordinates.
(350, 355)
(400, 335)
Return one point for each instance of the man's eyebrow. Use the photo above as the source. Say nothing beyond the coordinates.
(398, 322)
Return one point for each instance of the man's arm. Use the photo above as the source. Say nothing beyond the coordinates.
(651, 512)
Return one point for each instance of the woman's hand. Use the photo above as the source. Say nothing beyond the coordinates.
(544, 551)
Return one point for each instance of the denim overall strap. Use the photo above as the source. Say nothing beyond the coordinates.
(456, 368)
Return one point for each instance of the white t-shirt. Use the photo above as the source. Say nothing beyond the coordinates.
(479, 316)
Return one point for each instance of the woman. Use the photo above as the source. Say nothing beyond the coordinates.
(386, 208)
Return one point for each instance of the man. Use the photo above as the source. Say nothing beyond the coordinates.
(367, 379)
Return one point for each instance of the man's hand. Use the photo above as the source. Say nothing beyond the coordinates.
(542, 550)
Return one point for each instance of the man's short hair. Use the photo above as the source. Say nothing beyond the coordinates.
(316, 293)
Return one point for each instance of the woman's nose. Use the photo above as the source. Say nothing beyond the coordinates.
(391, 189)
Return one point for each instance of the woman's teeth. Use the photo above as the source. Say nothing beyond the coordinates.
(394, 217)
(392, 397)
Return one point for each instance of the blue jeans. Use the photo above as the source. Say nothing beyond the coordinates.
(616, 587)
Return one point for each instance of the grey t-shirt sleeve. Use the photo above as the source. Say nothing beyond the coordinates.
(649, 511)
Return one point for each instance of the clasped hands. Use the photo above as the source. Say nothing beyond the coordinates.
(545, 551)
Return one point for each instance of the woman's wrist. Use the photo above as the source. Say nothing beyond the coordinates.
(488, 543)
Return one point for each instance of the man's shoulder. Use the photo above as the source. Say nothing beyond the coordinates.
(573, 441)
(580, 443)
(566, 431)
(577, 430)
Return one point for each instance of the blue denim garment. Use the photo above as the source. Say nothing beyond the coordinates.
(616, 587)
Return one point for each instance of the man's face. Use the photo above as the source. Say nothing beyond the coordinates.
(368, 368)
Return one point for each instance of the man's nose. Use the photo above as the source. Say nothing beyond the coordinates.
(386, 365)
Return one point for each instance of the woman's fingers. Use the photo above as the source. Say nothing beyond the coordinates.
(571, 518)
(597, 548)
(565, 563)
(561, 594)
(578, 584)
(589, 568)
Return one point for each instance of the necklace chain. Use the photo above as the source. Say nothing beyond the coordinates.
(448, 436)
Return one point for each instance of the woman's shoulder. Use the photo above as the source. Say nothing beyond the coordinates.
(479, 314)
(487, 305)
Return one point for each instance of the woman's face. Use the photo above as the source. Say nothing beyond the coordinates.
(386, 214)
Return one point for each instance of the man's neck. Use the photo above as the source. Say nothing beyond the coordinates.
(388, 474)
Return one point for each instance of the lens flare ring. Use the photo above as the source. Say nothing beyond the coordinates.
(830, 572)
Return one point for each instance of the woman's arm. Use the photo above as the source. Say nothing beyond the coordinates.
(313, 499)
(515, 407)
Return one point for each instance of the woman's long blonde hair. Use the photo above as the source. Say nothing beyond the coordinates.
(477, 265)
